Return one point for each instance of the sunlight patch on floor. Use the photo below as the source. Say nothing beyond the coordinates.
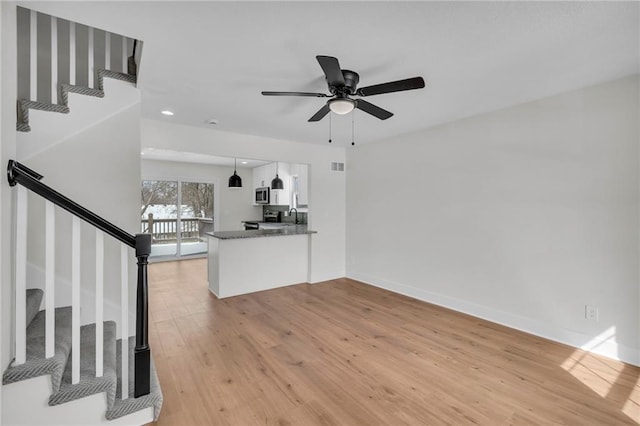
(632, 405)
(592, 371)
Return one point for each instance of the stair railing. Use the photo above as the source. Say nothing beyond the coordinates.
(141, 243)
(54, 51)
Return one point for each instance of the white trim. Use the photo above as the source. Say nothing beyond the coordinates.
(54, 60)
(33, 54)
(124, 55)
(605, 347)
(90, 58)
(21, 275)
(124, 294)
(99, 302)
(49, 279)
(75, 300)
(72, 53)
(107, 50)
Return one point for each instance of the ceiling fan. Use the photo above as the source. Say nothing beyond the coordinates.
(343, 84)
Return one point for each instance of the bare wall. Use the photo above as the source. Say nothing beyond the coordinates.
(99, 168)
(8, 90)
(522, 216)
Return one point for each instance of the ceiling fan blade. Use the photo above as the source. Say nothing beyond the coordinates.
(321, 113)
(393, 86)
(370, 108)
(332, 70)
(314, 95)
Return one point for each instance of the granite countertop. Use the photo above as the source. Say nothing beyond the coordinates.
(254, 233)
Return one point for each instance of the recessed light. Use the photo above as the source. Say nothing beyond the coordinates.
(167, 112)
(212, 121)
(244, 162)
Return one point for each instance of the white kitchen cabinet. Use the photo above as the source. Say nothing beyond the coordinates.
(281, 197)
(263, 175)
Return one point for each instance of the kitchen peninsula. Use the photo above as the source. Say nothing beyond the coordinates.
(243, 262)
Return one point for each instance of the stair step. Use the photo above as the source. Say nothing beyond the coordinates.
(36, 364)
(90, 384)
(131, 405)
(24, 105)
(34, 299)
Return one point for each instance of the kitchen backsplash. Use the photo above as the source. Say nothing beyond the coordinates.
(302, 216)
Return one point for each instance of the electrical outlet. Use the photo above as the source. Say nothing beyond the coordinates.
(591, 312)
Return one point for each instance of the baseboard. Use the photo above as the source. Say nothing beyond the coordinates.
(602, 345)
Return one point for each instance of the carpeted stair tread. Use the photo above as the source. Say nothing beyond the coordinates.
(131, 405)
(34, 299)
(90, 384)
(36, 364)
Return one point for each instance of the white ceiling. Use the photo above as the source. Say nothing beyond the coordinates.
(205, 60)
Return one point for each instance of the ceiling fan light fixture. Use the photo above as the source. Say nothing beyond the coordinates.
(342, 105)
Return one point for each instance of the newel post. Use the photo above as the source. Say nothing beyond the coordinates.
(142, 351)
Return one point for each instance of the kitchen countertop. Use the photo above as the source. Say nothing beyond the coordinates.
(255, 233)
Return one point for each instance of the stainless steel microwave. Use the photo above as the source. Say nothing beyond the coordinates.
(262, 195)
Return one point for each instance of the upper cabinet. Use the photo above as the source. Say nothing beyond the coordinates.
(263, 175)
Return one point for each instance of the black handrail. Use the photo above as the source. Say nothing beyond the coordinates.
(19, 174)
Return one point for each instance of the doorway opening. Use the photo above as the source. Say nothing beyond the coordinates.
(177, 214)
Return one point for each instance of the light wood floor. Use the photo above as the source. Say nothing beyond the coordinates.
(344, 353)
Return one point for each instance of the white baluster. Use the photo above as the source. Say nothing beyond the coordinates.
(21, 276)
(99, 301)
(49, 280)
(124, 55)
(33, 53)
(124, 294)
(72, 53)
(90, 59)
(107, 50)
(54, 60)
(75, 300)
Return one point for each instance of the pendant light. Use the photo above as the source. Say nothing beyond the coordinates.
(235, 181)
(276, 183)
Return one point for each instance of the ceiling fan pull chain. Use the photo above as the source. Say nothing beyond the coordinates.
(352, 128)
(329, 127)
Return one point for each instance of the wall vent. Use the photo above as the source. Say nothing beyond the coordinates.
(337, 167)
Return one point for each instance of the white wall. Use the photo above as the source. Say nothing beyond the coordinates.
(99, 168)
(8, 90)
(234, 205)
(326, 188)
(522, 216)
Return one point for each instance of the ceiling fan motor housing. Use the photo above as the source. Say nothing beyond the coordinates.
(351, 79)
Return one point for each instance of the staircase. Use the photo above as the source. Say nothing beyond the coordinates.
(57, 58)
(81, 360)
(66, 371)
(59, 366)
